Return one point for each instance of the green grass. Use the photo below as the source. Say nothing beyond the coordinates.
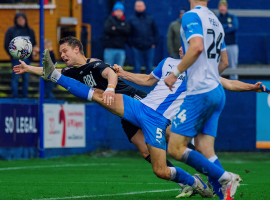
(113, 174)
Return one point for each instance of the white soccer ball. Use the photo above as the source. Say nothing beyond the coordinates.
(20, 48)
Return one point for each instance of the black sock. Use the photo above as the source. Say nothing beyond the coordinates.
(191, 146)
(169, 164)
(148, 159)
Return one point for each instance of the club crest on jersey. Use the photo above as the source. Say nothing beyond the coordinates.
(89, 80)
(97, 64)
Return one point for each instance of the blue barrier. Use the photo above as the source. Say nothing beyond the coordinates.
(236, 131)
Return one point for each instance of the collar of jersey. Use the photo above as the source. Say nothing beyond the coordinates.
(199, 7)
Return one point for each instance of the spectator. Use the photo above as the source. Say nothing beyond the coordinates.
(230, 25)
(143, 37)
(48, 84)
(116, 33)
(173, 37)
(20, 29)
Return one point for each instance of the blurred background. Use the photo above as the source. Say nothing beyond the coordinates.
(243, 124)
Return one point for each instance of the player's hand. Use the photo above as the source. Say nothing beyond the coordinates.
(259, 87)
(170, 80)
(181, 52)
(119, 70)
(20, 69)
(108, 97)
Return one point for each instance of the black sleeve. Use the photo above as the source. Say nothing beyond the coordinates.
(8, 38)
(68, 72)
(100, 68)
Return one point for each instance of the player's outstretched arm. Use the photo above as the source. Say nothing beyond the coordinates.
(224, 63)
(139, 79)
(238, 86)
(111, 76)
(23, 68)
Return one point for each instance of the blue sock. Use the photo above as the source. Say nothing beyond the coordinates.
(202, 164)
(215, 184)
(180, 176)
(74, 87)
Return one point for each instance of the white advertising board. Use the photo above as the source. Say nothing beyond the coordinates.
(64, 125)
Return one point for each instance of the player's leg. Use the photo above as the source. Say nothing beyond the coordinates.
(154, 128)
(137, 138)
(186, 125)
(176, 174)
(205, 142)
(188, 122)
(205, 145)
(168, 132)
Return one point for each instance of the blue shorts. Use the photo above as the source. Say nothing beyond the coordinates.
(200, 113)
(151, 122)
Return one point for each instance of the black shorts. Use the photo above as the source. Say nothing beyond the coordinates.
(129, 128)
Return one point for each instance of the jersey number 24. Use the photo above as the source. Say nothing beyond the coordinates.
(215, 44)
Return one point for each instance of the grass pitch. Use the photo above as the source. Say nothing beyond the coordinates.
(121, 176)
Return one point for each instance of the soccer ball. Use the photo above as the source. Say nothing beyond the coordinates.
(20, 48)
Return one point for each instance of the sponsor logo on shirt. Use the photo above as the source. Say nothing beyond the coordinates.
(89, 80)
(192, 24)
(180, 77)
(97, 64)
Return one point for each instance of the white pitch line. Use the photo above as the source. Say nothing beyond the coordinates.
(106, 195)
(52, 166)
(72, 182)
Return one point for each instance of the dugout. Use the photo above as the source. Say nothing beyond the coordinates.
(62, 18)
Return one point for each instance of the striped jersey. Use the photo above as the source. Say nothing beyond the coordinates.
(161, 99)
(203, 75)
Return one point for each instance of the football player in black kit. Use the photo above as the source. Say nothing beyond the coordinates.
(95, 73)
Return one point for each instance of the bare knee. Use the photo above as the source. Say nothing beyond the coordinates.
(160, 173)
(144, 154)
(176, 152)
(206, 150)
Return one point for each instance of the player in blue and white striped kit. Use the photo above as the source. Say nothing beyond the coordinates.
(203, 43)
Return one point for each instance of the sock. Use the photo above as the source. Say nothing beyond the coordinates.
(55, 76)
(180, 176)
(215, 184)
(169, 164)
(73, 86)
(148, 159)
(191, 146)
(202, 164)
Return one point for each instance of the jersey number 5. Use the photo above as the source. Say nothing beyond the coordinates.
(213, 45)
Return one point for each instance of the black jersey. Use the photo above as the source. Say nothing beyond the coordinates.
(90, 74)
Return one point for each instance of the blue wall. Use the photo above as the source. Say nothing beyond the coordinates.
(236, 131)
(253, 35)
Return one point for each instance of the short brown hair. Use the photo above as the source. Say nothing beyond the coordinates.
(73, 42)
